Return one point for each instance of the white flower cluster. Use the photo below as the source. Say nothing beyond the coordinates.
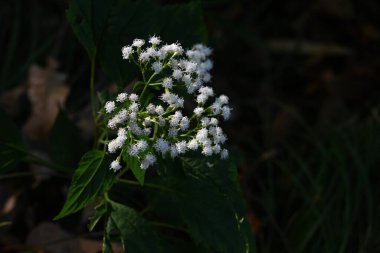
(161, 127)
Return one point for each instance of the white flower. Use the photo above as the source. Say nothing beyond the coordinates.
(122, 132)
(207, 150)
(154, 40)
(133, 97)
(202, 134)
(205, 121)
(167, 83)
(186, 79)
(148, 161)
(161, 121)
(157, 67)
(181, 147)
(223, 99)
(193, 144)
(190, 67)
(150, 108)
(134, 107)
(176, 118)
(198, 111)
(202, 98)
(110, 106)
(206, 77)
(147, 121)
(115, 165)
(126, 52)
(226, 112)
(173, 151)
(144, 56)
(177, 74)
(159, 109)
(213, 122)
(138, 43)
(206, 90)
(224, 154)
(122, 97)
(216, 108)
(173, 132)
(161, 145)
(142, 145)
(184, 124)
(216, 149)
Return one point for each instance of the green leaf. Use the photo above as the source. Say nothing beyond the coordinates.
(135, 232)
(12, 150)
(104, 27)
(208, 201)
(91, 180)
(65, 145)
(134, 164)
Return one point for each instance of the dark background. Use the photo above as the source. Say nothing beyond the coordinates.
(303, 79)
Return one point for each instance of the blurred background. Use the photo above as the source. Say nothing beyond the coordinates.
(302, 77)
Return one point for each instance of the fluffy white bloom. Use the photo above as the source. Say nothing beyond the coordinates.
(214, 122)
(115, 165)
(198, 111)
(148, 161)
(157, 67)
(138, 43)
(159, 127)
(172, 99)
(126, 52)
(205, 121)
(208, 91)
(177, 74)
(193, 144)
(154, 40)
(176, 118)
(223, 99)
(202, 98)
(186, 79)
(173, 151)
(181, 147)
(173, 132)
(144, 56)
(147, 121)
(151, 108)
(216, 108)
(110, 106)
(226, 112)
(161, 145)
(159, 109)
(224, 154)
(142, 145)
(167, 83)
(134, 107)
(133, 97)
(122, 97)
(202, 134)
(184, 124)
(206, 77)
(216, 149)
(207, 150)
(190, 67)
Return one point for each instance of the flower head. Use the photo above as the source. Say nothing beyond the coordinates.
(162, 125)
